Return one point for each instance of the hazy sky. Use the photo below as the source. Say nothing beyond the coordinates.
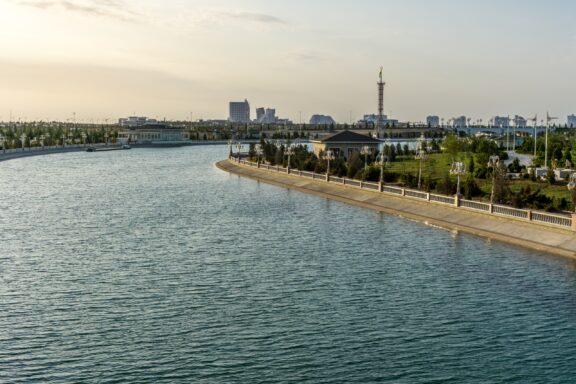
(168, 58)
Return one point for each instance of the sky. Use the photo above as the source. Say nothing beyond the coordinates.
(182, 59)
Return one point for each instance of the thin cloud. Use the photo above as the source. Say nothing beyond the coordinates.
(104, 8)
(255, 17)
(308, 57)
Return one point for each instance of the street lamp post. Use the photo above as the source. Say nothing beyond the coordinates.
(420, 155)
(572, 189)
(365, 151)
(239, 148)
(259, 151)
(383, 160)
(493, 162)
(329, 155)
(289, 151)
(42, 138)
(84, 136)
(230, 145)
(23, 139)
(63, 137)
(458, 168)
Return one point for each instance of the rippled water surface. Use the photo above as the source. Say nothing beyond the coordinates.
(152, 266)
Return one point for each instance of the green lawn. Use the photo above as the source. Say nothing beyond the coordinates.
(438, 164)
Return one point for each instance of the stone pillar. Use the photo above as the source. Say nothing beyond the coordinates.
(380, 186)
(428, 196)
(529, 216)
(403, 192)
(457, 200)
(491, 208)
(574, 221)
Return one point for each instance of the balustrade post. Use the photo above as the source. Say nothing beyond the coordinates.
(380, 186)
(403, 192)
(491, 208)
(574, 221)
(529, 215)
(360, 185)
(428, 196)
(457, 200)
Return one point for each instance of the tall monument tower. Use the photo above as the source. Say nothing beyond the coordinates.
(379, 123)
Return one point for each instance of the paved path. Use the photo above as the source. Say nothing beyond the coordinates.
(529, 235)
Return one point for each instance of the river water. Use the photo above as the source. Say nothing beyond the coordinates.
(153, 266)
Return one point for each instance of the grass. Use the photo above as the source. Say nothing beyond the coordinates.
(438, 164)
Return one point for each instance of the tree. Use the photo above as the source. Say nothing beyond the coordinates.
(471, 165)
(470, 187)
(354, 164)
(500, 186)
(452, 145)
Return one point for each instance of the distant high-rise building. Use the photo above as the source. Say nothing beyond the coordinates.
(239, 112)
(260, 112)
(571, 121)
(433, 121)
(501, 121)
(266, 116)
(459, 122)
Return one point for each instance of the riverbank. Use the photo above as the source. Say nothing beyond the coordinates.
(526, 234)
(19, 153)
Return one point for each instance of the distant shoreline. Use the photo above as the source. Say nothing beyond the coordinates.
(556, 241)
(11, 154)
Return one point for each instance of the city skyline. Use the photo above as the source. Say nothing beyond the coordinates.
(105, 59)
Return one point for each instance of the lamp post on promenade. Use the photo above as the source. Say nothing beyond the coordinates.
(42, 138)
(2, 141)
(259, 151)
(23, 139)
(329, 155)
(289, 151)
(458, 168)
(493, 162)
(383, 160)
(106, 137)
(239, 148)
(84, 136)
(230, 145)
(420, 155)
(365, 151)
(63, 137)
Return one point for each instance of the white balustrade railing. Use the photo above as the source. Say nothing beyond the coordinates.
(395, 190)
(507, 211)
(475, 205)
(541, 217)
(416, 194)
(564, 221)
(354, 183)
(442, 199)
(370, 186)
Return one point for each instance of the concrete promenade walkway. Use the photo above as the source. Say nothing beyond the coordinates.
(539, 237)
(10, 154)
